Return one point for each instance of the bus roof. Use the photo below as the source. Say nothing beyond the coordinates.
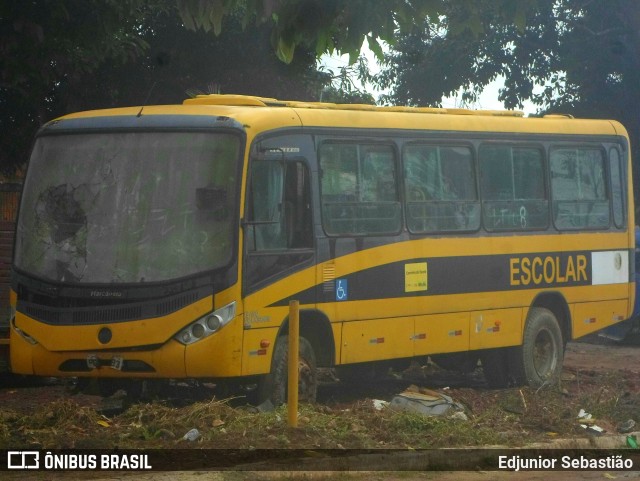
(260, 114)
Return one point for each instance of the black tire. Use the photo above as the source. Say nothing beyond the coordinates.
(463, 362)
(539, 360)
(273, 386)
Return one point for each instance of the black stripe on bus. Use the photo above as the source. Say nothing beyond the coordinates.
(455, 275)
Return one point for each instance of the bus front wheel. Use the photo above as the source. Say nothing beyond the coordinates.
(273, 386)
(538, 361)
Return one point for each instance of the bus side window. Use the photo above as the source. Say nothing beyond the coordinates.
(266, 194)
(579, 189)
(440, 188)
(279, 206)
(513, 188)
(359, 189)
(297, 207)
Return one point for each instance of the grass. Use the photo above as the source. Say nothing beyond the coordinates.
(510, 417)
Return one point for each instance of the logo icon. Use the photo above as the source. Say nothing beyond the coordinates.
(23, 460)
(342, 290)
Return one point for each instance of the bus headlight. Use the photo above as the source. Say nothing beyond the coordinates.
(207, 325)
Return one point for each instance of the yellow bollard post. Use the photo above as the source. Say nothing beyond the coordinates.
(294, 347)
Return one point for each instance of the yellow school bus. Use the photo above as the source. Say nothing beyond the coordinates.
(166, 242)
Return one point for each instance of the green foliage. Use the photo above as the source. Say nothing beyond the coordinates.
(570, 56)
(45, 45)
(71, 55)
(343, 25)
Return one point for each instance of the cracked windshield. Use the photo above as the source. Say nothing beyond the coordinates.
(127, 207)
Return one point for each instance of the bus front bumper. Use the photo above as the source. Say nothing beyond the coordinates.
(211, 358)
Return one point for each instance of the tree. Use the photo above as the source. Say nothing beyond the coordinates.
(61, 56)
(53, 51)
(329, 26)
(44, 43)
(578, 57)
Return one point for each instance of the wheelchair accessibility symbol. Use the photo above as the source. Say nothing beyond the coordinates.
(342, 290)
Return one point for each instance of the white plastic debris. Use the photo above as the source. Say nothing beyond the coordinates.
(192, 435)
(379, 405)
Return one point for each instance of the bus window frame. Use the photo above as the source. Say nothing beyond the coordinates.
(398, 173)
(599, 146)
(546, 181)
(476, 184)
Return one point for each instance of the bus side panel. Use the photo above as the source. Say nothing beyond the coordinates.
(440, 333)
(496, 328)
(256, 359)
(377, 339)
(589, 317)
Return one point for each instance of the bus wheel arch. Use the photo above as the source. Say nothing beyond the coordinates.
(546, 332)
(315, 327)
(316, 348)
(557, 304)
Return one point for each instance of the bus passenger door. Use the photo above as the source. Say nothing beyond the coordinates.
(278, 250)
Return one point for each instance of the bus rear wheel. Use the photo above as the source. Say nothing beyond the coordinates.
(538, 361)
(273, 386)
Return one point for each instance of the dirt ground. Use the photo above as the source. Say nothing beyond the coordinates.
(586, 365)
(602, 356)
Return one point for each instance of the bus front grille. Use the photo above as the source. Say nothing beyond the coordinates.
(103, 314)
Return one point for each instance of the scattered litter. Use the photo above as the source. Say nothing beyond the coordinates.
(585, 418)
(583, 414)
(588, 422)
(266, 407)
(424, 401)
(460, 416)
(217, 423)
(593, 429)
(632, 441)
(379, 405)
(192, 435)
(627, 426)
